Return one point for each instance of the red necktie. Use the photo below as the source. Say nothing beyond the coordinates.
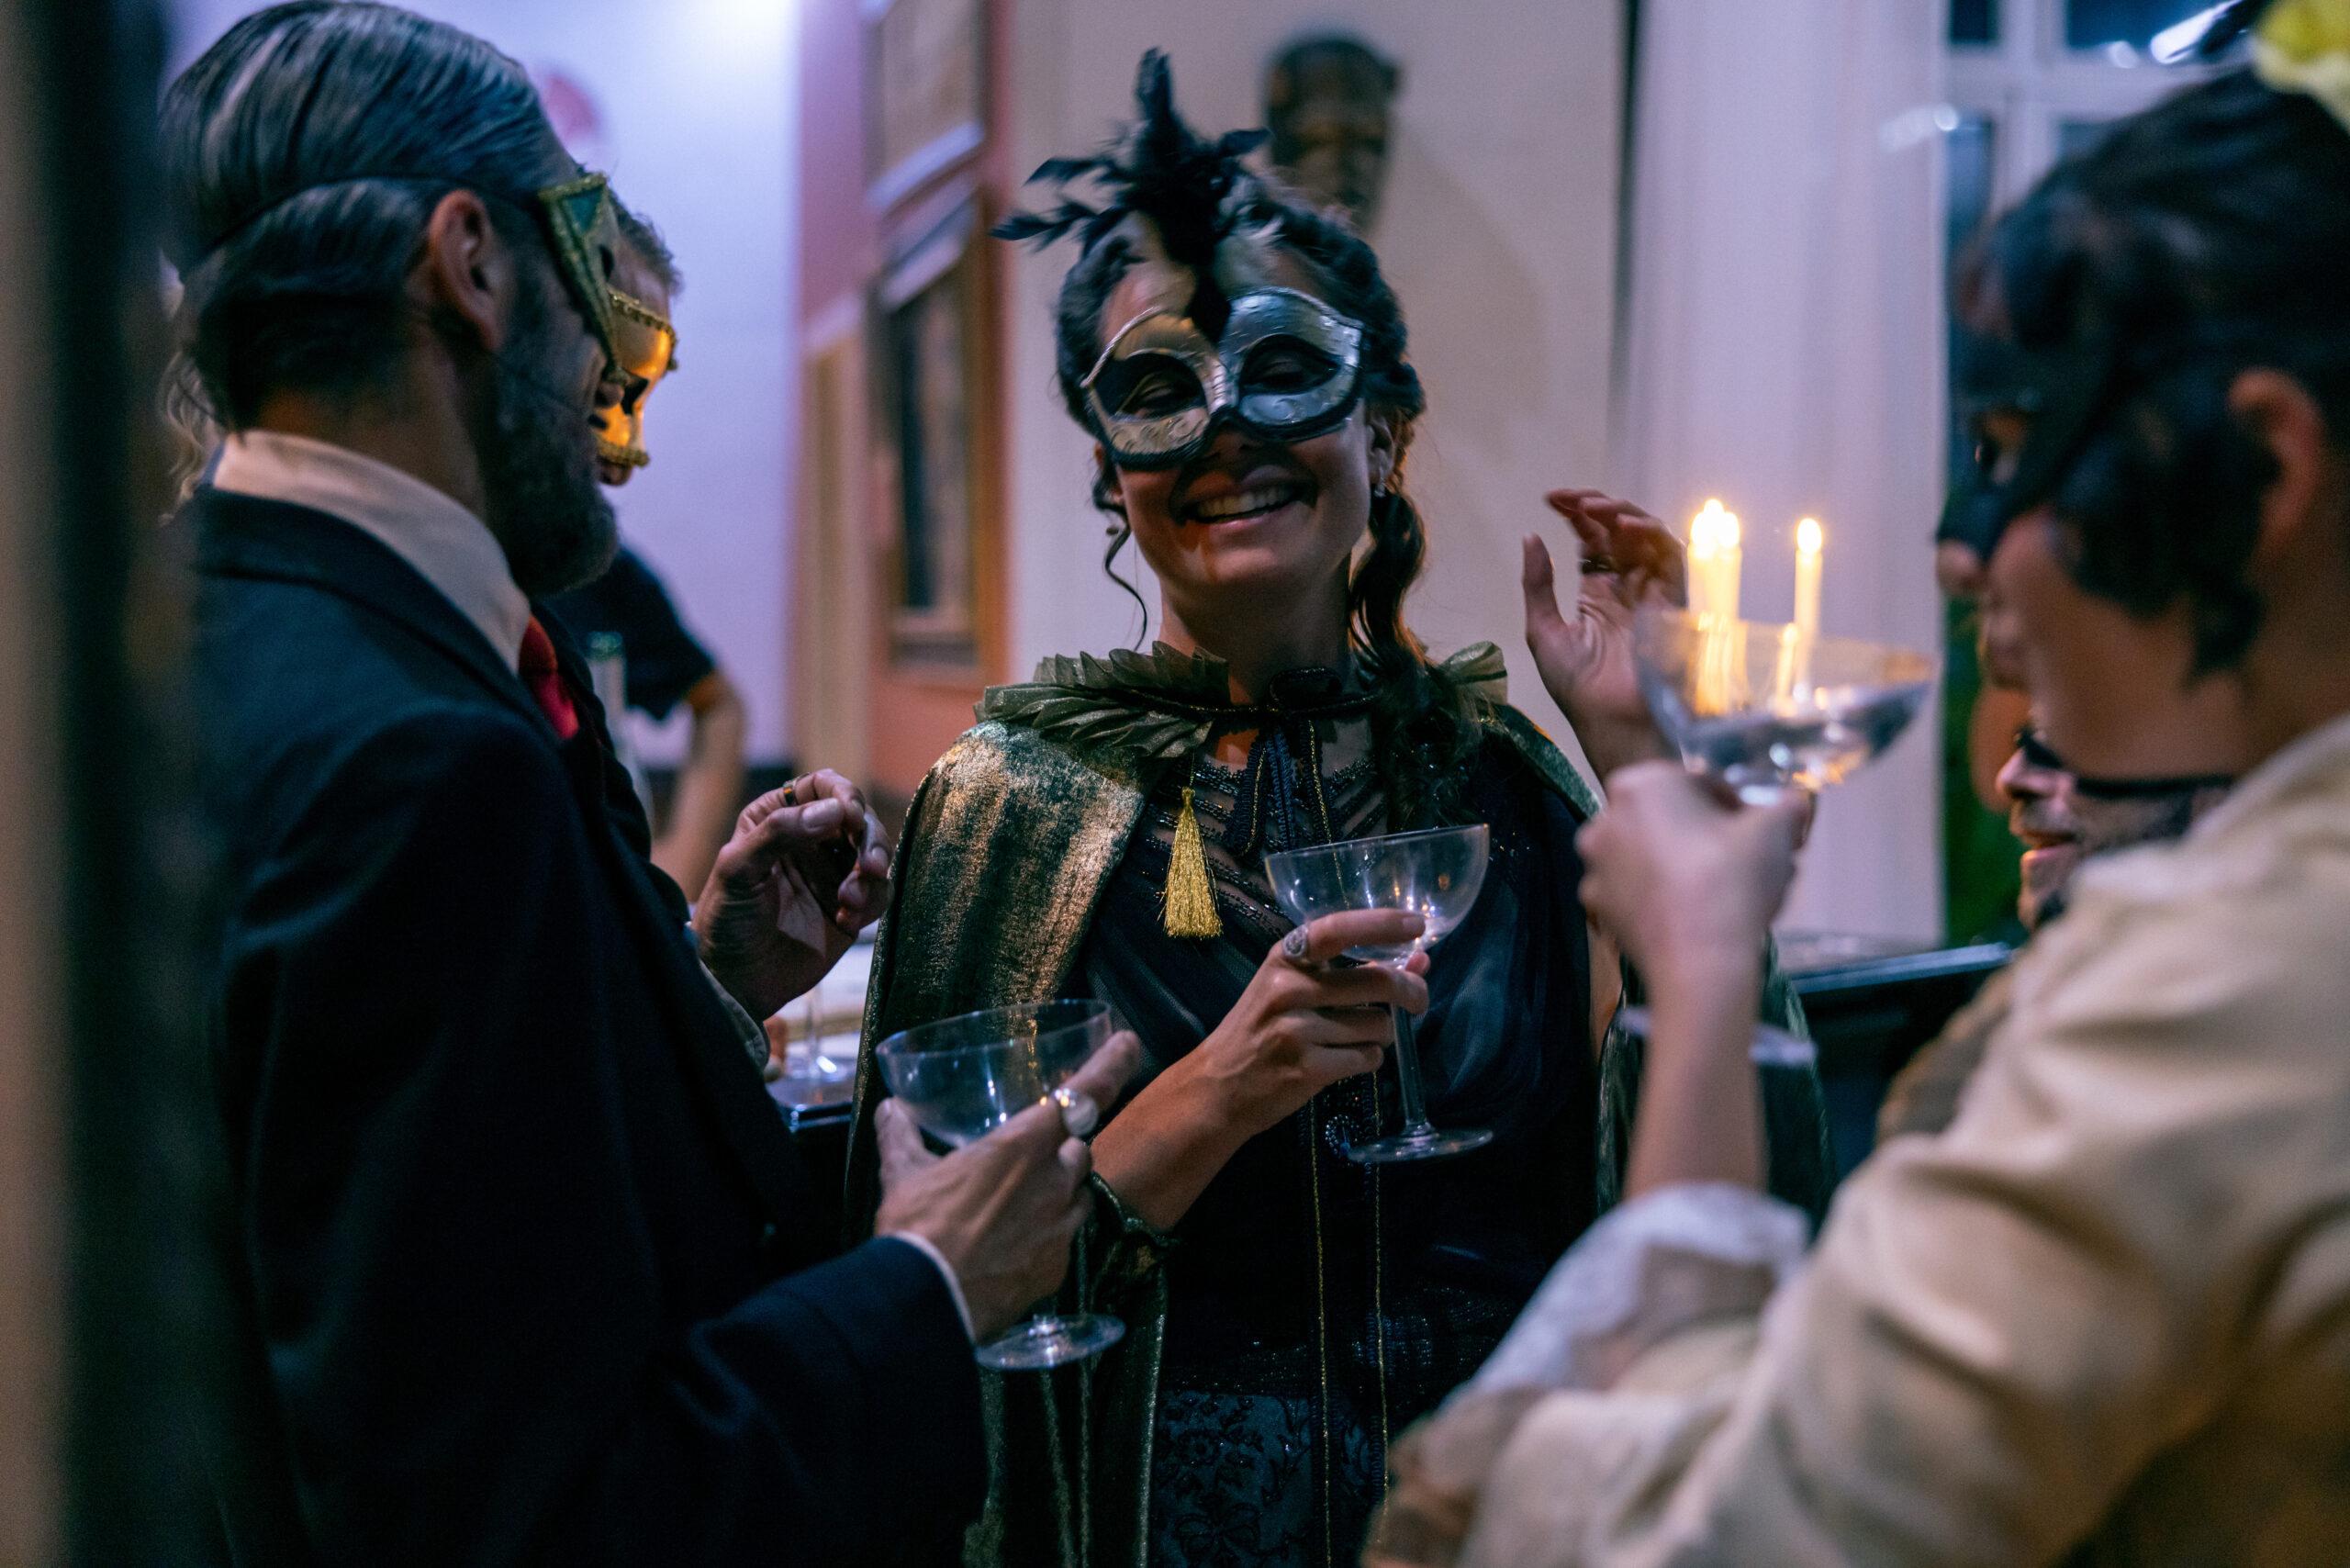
(537, 668)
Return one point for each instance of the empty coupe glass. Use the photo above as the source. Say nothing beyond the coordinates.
(1764, 707)
(962, 1077)
(1438, 873)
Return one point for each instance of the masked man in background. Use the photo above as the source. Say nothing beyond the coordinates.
(663, 663)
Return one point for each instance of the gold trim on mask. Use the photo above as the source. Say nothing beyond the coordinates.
(586, 229)
(658, 352)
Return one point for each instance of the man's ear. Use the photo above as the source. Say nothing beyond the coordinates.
(465, 277)
(2279, 413)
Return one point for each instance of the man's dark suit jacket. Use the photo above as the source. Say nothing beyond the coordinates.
(520, 1241)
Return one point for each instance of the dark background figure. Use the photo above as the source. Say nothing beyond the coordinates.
(662, 663)
(523, 1262)
(1327, 102)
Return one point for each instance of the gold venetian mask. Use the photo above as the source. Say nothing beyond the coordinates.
(647, 351)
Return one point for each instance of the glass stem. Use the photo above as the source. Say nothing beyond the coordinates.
(1407, 1076)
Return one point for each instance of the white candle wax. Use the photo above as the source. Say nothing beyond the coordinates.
(1811, 541)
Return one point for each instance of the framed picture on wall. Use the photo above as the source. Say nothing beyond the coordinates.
(929, 323)
(833, 630)
(926, 84)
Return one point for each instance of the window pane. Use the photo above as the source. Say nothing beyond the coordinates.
(2094, 24)
(1972, 151)
(1973, 21)
(1972, 154)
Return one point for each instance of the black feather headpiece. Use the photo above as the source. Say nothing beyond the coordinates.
(1193, 191)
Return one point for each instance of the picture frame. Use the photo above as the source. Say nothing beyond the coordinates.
(925, 91)
(930, 322)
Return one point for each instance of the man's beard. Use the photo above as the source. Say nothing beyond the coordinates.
(538, 468)
(2107, 827)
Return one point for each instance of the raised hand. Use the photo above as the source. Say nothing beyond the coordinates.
(1688, 881)
(807, 869)
(1585, 659)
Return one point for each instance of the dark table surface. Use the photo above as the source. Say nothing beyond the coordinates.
(1872, 1005)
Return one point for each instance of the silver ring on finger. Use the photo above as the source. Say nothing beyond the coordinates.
(1295, 946)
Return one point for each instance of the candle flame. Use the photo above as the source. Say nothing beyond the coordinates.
(1704, 529)
(1729, 529)
(1810, 537)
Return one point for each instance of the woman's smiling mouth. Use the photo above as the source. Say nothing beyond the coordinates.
(1238, 506)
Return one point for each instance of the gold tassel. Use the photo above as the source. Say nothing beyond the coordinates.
(1190, 899)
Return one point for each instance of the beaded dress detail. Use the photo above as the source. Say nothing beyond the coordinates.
(1317, 1306)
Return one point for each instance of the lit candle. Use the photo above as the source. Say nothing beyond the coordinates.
(1727, 562)
(1811, 545)
(1713, 563)
(1705, 547)
(1811, 541)
(1785, 677)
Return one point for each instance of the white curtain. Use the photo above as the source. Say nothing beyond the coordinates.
(1784, 351)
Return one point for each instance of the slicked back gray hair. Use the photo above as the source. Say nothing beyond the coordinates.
(303, 153)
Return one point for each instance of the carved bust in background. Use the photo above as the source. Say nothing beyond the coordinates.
(1326, 103)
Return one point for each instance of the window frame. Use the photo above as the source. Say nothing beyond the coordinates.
(2029, 84)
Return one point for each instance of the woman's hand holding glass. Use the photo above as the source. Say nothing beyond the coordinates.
(1585, 659)
(1302, 1025)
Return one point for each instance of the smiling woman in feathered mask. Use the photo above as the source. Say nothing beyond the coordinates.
(1239, 361)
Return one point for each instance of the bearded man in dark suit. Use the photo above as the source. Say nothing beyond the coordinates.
(518, 1243)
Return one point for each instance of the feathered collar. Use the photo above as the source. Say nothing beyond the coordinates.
(1165, 704)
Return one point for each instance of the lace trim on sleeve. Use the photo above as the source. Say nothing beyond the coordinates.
(1662, 1263)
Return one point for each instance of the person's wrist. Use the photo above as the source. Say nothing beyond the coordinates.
(1211, 1108)
(761, 995)
(1703, 966)
(949, 1274)
(1701, 995)
(1609, 745)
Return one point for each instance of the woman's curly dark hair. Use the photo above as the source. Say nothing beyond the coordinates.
(2202, 237)
(1195, 194)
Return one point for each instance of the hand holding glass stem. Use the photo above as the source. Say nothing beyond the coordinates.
(1435, 873)
(1015, 1090)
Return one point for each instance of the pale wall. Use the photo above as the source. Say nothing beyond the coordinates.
(696, 98)
(1498, 234)
(1785, 353)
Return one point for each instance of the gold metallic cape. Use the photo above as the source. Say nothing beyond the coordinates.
(1010, 842)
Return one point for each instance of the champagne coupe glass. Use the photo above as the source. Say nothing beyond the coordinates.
(1437, 872)
(1767, 709)
(962, 1077)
